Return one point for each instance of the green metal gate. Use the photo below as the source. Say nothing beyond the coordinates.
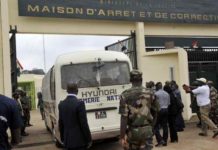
(29, 87)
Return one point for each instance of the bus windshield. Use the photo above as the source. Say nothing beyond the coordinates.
(95, 74)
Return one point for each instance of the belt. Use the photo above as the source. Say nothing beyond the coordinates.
(208, 105)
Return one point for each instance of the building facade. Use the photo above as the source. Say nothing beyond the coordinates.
(170, 18)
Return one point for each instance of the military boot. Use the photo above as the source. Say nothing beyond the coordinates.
(215, 134)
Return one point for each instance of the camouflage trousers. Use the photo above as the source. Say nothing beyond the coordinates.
(206, 122)
(214, 114)
(148, 146)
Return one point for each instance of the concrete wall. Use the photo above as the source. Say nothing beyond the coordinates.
(156, 67)
(5, 75)
(1, 55)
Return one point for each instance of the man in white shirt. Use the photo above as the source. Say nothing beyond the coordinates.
(202, 93)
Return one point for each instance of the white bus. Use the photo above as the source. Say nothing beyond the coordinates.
(101, 77)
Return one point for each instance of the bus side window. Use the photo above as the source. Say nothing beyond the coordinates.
(52, 84)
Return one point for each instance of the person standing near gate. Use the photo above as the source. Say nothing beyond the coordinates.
(203, 100)
(9, 117)
(180, 123)
(16, 97)
(136, 118)
(73, 124)
(25, 106)
(40, 104)
(163, 99)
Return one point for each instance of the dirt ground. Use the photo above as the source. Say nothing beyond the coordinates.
(40, 139)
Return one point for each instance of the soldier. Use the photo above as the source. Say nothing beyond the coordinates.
(136, 118)
(16, 98)
(40, 104)
(25, 105)
(214, 103)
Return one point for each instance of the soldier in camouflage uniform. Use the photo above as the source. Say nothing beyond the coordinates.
(25, 105)
(136, 118)
(214, 103)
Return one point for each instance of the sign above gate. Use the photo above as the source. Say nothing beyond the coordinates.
(168, 11)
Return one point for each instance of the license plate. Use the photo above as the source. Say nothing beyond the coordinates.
(100, 114)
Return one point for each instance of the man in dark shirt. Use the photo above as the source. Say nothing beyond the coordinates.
(9, 117)
(40, 104)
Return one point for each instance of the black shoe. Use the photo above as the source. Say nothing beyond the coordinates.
(198, 125)
(165, 144)
(180, 130)
(162, 143)
(215, 134)
(158, 145)
(202, 134)
(174, 141)
(24, 134)
(29, 125)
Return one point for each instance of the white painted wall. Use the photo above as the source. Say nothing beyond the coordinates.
(1, 54)
(156, 67)
(5, 74)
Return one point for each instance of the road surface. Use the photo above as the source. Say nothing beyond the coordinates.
(40, 139)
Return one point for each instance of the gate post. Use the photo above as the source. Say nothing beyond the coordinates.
(140, 43)
(5, 68)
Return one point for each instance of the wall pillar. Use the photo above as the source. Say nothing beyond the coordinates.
(5, 65)
(140, 43)
(1, 55)
(184, 79)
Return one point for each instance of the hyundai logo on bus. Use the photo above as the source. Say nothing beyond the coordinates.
(94, 96)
